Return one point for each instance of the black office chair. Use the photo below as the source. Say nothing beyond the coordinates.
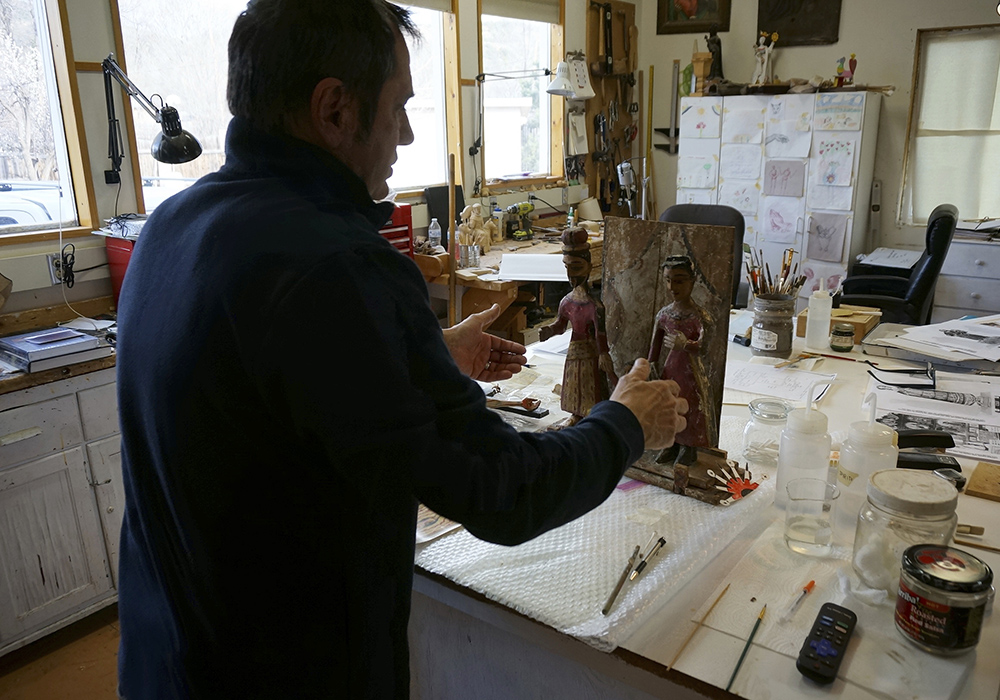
(716, 215)
(910, 300)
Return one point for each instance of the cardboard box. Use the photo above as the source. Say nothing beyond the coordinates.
(863, 318)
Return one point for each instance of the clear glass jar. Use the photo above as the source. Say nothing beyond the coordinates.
(772, 325)
(762, 434)
(904, 507)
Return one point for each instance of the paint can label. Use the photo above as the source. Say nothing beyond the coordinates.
(936, 625)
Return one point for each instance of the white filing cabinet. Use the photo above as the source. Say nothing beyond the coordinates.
(968, 283)
(61, 502)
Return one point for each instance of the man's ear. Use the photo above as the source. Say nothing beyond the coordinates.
(334, 113)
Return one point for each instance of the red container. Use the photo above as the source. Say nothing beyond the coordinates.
(119, 252)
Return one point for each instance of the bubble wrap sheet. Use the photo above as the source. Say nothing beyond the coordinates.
(564, 577)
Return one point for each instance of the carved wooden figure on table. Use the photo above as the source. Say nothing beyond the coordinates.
(715, 48)
(588, 374)
(682, 330)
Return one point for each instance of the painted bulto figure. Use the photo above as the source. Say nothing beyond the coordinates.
(589, 374)
(681, 330)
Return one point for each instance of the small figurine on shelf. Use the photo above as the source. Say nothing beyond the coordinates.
(588, 373)
(681, 330)
(845, 76)
(762, 55)
(849, 74)
(715, 48)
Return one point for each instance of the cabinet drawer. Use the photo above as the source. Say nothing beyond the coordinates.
(99, 411)
(980, 295)
(39, 429)
(972, 260)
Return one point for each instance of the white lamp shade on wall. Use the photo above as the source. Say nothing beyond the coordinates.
(560, 84)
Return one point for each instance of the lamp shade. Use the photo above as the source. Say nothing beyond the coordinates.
(173, 144)
(561, 85)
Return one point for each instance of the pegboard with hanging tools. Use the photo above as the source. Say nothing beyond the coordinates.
(612, 175)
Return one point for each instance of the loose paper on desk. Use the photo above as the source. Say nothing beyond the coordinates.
(977, 338)
(893, 257)
(784, 383)
(528, 267)
(967, 410)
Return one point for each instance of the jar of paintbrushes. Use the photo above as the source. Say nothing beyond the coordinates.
(773, 303)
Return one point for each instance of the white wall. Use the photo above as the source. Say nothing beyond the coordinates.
(881, 33)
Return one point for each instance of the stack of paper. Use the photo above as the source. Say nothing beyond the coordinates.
(955, 341)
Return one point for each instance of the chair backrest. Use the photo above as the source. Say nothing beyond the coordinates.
(713, 215)
(940, 229)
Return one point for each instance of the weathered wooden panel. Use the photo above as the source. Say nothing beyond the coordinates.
(105, 458)
(51, 549)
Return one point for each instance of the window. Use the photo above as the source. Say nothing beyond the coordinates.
(36, 188)
(156, 33)
(953, 141)
(516, 111)
(424, 162)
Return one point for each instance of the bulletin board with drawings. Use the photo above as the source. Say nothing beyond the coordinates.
(612, 115)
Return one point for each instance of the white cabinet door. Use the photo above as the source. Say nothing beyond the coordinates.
(105, 458)
(38, 429)
(50, 543)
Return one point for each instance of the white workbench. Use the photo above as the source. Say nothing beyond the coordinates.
(464, 645)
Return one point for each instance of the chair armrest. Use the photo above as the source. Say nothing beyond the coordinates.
(883, 285)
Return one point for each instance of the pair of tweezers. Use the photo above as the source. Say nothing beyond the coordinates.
(621, 581)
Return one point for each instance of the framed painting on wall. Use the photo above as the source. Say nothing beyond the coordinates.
(691, 16)
(800, 22)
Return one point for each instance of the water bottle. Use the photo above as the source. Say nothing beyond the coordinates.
(804, 450)
(818, 318)
(434, 233)
(870, 447)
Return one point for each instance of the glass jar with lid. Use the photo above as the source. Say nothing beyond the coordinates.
(842, 337)
(762, 434)
(904, 507)
(772, 325)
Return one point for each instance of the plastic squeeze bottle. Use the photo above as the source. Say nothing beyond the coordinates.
(870, 447)
(434, 233)
(818, 318)
(804, 448)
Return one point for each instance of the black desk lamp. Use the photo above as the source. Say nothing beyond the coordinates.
(172, 145)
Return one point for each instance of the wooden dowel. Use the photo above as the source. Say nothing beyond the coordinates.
(452, 241)
(697, 627)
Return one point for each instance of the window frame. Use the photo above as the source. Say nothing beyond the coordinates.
(66, 69)
(556, 116)
(904, 204)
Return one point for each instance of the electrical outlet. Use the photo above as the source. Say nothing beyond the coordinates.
(54, 263)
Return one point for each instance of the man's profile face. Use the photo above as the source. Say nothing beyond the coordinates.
(371, 158)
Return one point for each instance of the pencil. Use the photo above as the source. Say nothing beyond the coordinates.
(746, 648)
(697, 627)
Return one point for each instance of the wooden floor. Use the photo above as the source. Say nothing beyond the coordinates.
(79, 662)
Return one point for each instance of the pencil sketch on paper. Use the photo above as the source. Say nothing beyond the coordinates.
(785, 178)
(826, 237)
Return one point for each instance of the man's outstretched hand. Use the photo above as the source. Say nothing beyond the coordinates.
(655, 403)
(481, 355)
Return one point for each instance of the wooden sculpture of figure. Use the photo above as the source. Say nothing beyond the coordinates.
(682, 329)
(474, 229)
(588, 374)
(714, 44)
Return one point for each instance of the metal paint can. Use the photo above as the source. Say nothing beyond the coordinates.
(942, 598)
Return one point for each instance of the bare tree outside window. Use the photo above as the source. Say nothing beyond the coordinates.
(33, 161)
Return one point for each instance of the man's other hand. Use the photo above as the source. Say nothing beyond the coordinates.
(655, 403)
(481, 355)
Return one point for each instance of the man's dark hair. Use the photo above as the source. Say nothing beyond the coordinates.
(280, 49)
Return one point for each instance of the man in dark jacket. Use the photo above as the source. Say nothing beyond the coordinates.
(287, 396)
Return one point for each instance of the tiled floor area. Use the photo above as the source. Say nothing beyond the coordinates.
(78, 662)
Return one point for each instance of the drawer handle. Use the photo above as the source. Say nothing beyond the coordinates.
(976, 295)
(980, 262)
(19, 435)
